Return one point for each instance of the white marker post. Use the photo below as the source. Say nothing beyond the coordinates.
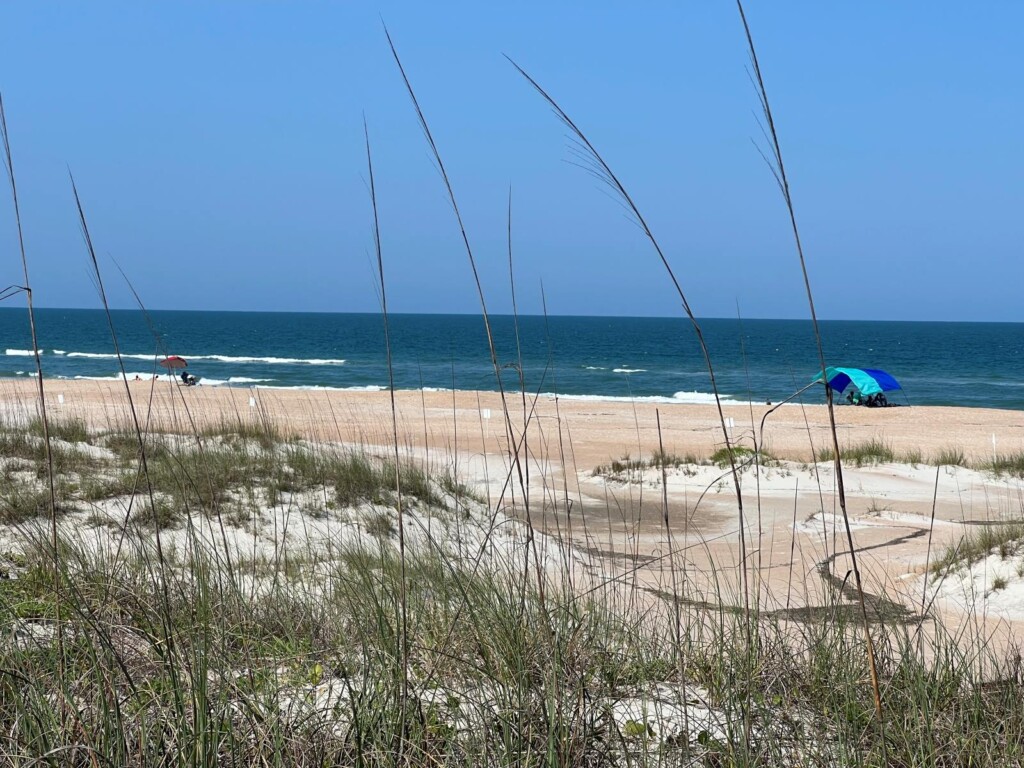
(60, 399)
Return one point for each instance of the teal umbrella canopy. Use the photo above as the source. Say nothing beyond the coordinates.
(870, 381)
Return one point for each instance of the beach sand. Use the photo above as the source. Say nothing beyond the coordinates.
(792, 532)
(599, 430)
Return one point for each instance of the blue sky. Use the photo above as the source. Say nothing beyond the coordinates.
(218, 150)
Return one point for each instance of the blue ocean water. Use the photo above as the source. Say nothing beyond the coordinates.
(973, 364)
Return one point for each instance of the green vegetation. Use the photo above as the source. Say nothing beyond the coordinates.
(21, 502)
(874, 451)
(878, 451)
(740, 455)
(1004, 539)
(202, 475)
(952, 456)
(496, 669)
(70, 430)
(310, 643)
(1008, 464)
(913, 456)
(622, 468)
(263, 433)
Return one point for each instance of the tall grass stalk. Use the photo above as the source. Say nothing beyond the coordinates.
(403, 639)
(778, 169)
(594, 162)
(43, 420)
(515, 457)
(161, 576)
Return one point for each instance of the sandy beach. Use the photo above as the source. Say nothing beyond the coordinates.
(597, 430)
(792, 533)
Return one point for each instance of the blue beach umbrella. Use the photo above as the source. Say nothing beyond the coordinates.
(869, 381)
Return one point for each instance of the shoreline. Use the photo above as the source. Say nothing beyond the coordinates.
(681, 397)
(601, 429)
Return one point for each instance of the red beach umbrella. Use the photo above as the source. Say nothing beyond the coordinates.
(173, 362)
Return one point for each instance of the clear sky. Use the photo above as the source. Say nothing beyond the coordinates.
(218, 150)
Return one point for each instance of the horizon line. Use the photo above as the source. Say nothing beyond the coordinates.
(521, 315)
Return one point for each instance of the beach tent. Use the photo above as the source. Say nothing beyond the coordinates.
(870, 381)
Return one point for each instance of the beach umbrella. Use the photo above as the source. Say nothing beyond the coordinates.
(870, 381)
(173, 362)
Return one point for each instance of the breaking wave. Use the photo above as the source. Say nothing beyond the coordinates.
(219, 358)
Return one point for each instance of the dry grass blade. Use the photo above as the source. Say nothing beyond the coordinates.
(160, 578)
(779, 170)
(403, 639)
(510, 432)
(27, 288)
(593, 162)
(98, 277)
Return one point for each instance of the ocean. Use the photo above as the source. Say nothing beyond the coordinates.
(968, 364)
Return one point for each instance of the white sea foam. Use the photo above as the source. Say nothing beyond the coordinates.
(245, 380)
(145, 376)
(270, 360)
(699, 397)
(317, 388)
(218, 358)
(131, 376)
(21, 352)
(629, 370)
(688, 398)
(59, 352)
(109, 356)
(594, 368)
(140, 376)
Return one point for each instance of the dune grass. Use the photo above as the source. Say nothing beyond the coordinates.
(200, 610)
(879, 451)
(627, 465)
(290, 659)
(873, 451)
(1005, 539)
(1008, 464)
(951, 456)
